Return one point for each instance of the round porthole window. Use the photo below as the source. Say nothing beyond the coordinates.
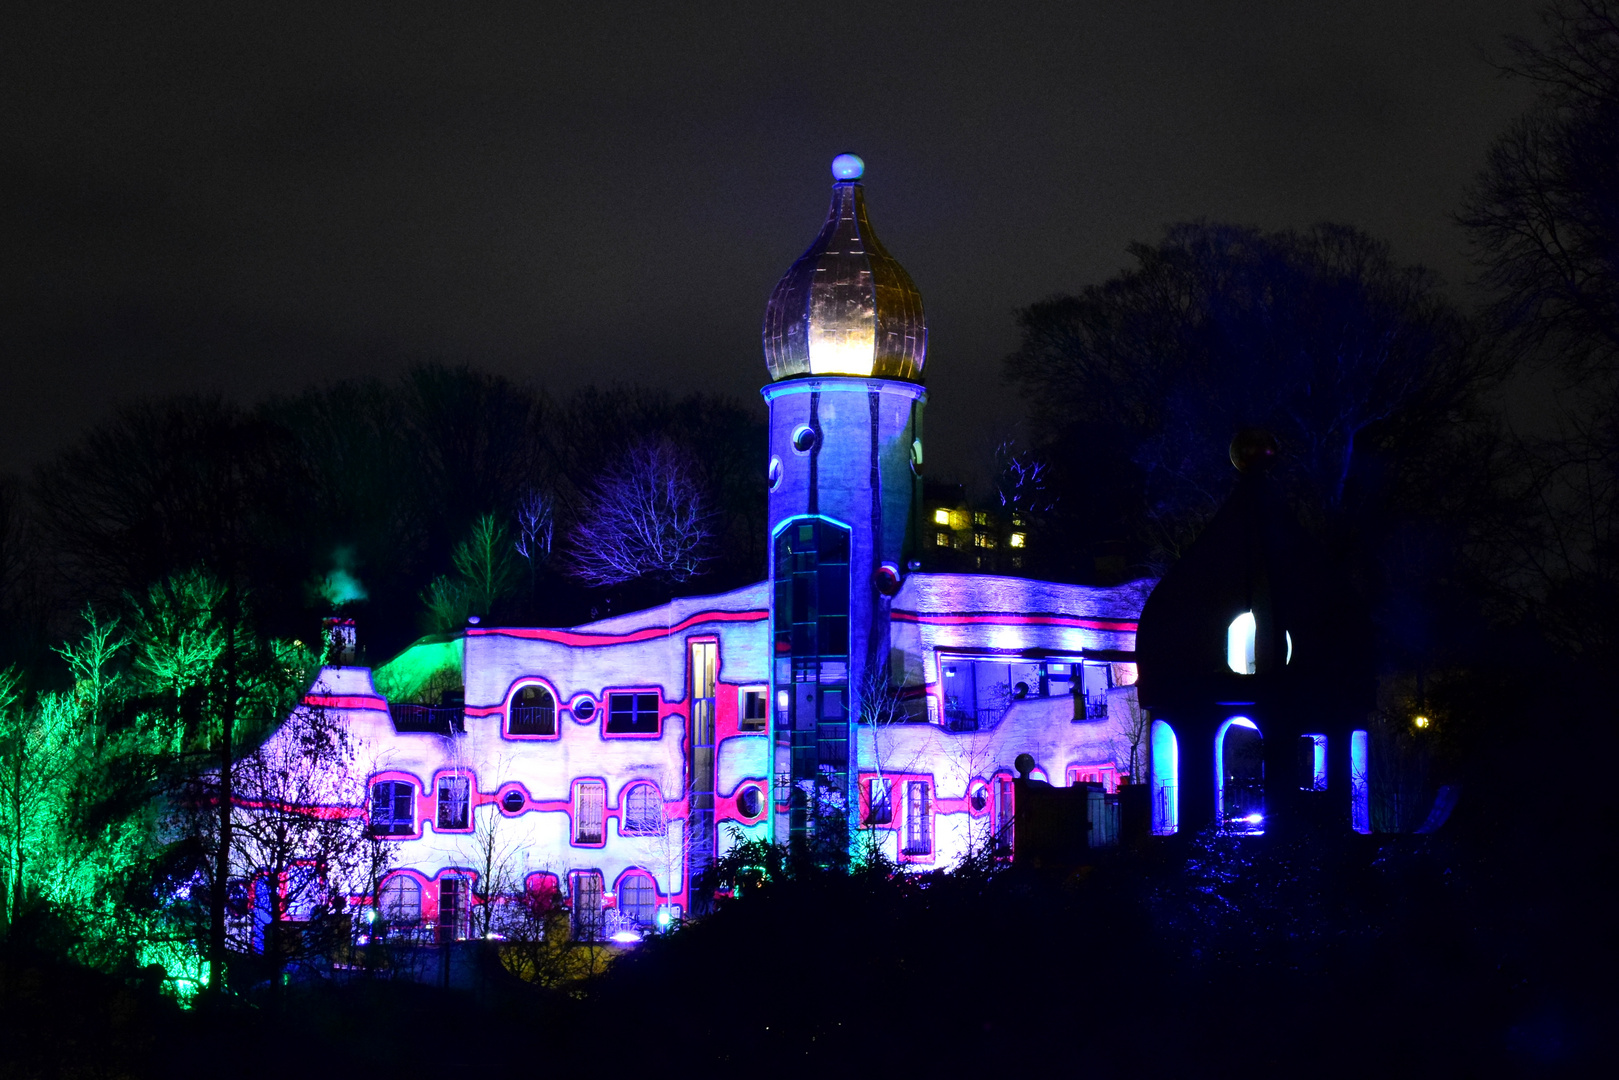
(750, 802)
(980, 799)
(583, 709)
(804, 438)
(775, 473)
(512, 801)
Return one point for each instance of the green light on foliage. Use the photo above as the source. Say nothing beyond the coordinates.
(185, 972)
(423, 669)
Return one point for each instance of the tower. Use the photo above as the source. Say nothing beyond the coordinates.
(845, 342)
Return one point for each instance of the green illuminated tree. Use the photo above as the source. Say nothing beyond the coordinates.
(38, 748)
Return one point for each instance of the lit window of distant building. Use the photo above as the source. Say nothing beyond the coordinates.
(980, 517)
(941, 516)
(941, 539)
(1017, 539)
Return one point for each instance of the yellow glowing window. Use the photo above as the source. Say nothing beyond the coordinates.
(941, 539)
(980, 518)
(941, 517)
(1016, 540)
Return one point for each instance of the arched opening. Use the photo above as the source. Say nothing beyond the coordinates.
(1360, 788)
(1239, 777)
(1239, 644)
(1166, 772)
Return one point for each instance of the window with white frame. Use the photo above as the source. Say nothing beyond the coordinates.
(638, 900)
(643, 811)
(454, 798)
(533, 712)
(918, 819)
(880, 794)
(393, 808)
(755, 705)
(400, 900)
(589, 811)
(632, 714)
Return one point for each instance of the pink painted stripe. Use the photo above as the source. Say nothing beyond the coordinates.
(1009, 618)
(646, 633)
(345, 701)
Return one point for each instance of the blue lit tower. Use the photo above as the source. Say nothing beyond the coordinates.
(844, 341)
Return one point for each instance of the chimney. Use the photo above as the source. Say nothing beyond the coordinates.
(338, 634)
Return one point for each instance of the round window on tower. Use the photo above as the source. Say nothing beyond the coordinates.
(804, 438)
(750, 802)
(513, 801)
(774, 472)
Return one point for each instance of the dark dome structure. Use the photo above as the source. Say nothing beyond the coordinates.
(1253, 626)
(846, 307)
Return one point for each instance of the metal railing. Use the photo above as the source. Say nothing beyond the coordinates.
(433, 719)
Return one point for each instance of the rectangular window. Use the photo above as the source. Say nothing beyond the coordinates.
(941, 539)
(755, 702)
(453, 799)
(881, 797)
(632, 714)
(941, 516)
(980, 517)
(452, 909)
(1003, 818)
(918, 820)
(1313, 762)
(589, 811)
(587, 906)
(393, 808)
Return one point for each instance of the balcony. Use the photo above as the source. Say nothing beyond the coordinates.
(429, 719)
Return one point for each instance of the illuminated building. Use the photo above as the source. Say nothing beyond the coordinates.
(850, 696)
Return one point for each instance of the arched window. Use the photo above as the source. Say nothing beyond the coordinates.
(401, 900)
(533, 712)
(1360, 788)
(643, 811)
(1166, 769)
(1239, 776)
(638, 900)
(1239, 644)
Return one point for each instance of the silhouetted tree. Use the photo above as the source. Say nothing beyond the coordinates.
(1135, 386)
(646, 518)
(1544, 213)
(1544, 220)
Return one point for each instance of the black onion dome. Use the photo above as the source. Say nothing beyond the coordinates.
(1309, 630)
(846, 307)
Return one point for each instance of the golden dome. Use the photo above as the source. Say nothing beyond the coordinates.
(846, 307)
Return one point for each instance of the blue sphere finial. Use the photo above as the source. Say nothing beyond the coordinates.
(848, 167)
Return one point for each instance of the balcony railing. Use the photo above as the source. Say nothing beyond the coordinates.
(433, 719)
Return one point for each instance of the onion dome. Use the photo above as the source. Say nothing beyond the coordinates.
(846, 307)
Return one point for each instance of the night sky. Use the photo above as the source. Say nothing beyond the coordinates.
(252, 199)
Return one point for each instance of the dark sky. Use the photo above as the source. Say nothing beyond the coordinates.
(254, 198)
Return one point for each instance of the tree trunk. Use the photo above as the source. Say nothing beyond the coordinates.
(227, 725)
